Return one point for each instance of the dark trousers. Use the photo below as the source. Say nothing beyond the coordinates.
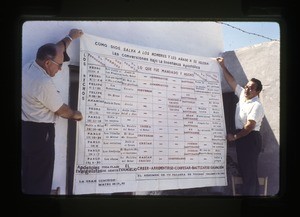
(37, 157)
(248, 149)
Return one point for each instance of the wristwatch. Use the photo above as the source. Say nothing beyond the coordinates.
(235, 137)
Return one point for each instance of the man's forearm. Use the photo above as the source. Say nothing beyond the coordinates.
(66, 112)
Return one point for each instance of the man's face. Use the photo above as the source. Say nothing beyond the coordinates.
(250, 90)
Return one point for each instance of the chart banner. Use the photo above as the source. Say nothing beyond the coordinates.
(153, 120)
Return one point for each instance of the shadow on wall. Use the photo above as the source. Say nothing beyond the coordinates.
(235, 68)
(269, 161)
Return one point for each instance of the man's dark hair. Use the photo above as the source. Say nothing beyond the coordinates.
(258, 84)
(46, 51)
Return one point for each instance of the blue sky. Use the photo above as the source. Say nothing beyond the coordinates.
(244, 34)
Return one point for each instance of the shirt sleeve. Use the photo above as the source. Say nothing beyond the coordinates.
(238, 90)
(256, 113)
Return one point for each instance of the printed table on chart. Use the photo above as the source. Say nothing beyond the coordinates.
(148, 122)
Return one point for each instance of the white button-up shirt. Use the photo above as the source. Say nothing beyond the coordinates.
(251, 109)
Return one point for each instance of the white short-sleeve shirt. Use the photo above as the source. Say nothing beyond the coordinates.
(251, 109)
(40, 98)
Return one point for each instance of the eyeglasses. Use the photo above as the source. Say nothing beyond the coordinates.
(59, 65)
(249, 87)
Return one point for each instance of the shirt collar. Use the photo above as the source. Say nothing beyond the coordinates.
(254, 99)
(40, 68)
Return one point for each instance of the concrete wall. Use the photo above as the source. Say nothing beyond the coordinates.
(261, 61)
(194, 38)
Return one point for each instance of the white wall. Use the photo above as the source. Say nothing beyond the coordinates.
(194, 38)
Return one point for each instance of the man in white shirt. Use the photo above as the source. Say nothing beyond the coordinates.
(41, 105)
(248, 118)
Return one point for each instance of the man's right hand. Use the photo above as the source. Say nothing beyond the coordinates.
(75, 33)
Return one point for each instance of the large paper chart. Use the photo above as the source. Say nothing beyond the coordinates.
(153, 120)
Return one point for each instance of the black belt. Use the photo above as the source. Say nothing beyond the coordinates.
(238, 130)
(42, 124)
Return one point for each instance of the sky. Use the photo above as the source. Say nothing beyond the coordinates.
(243, 34)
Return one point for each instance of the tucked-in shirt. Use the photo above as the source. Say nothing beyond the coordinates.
(40, 98)
(251, 109)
